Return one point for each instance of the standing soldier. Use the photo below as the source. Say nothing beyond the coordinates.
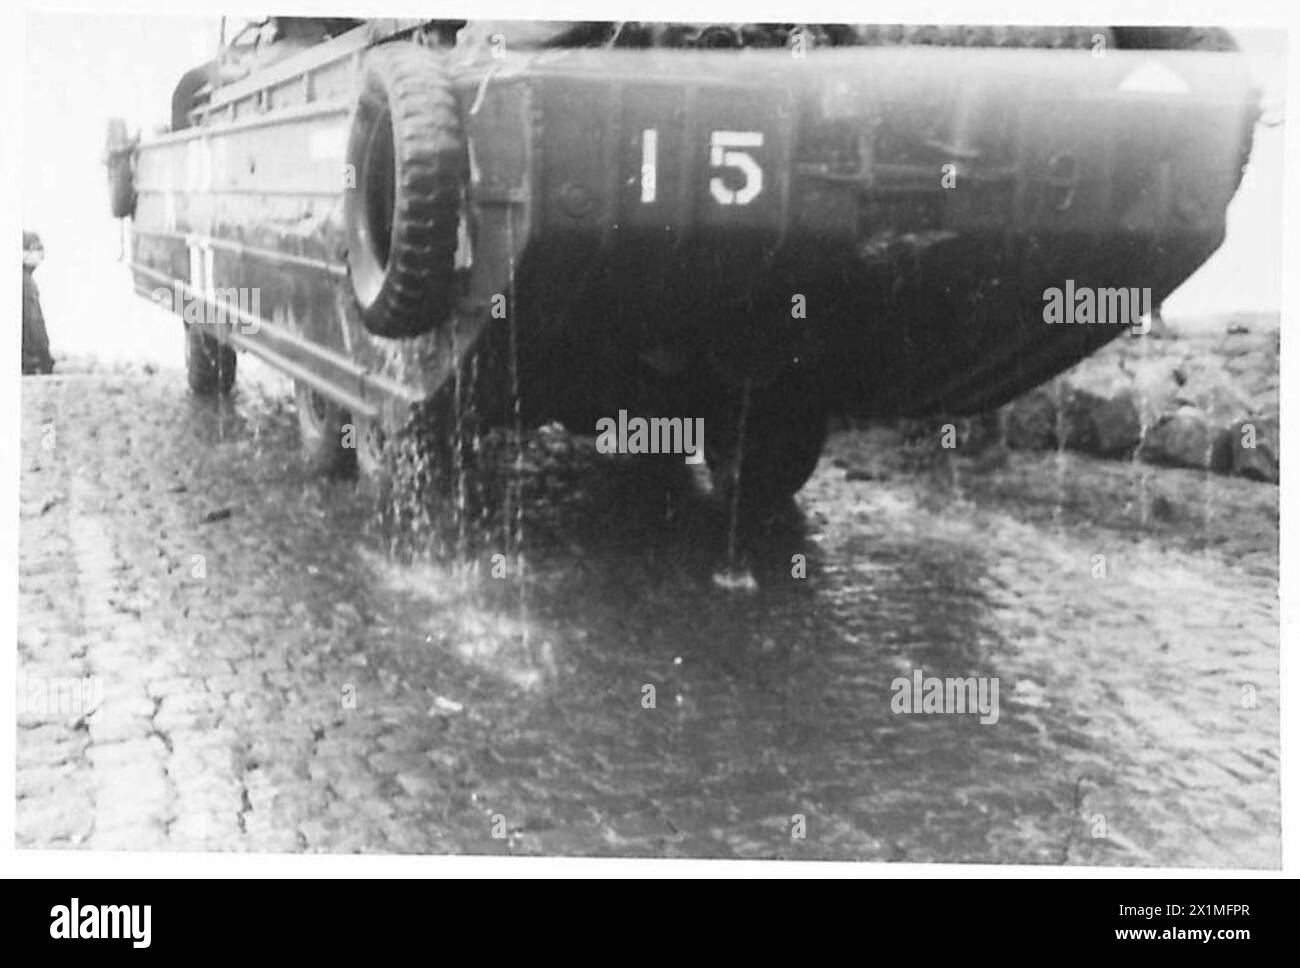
(36, 345)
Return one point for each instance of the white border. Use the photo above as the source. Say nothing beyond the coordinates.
(87, 864)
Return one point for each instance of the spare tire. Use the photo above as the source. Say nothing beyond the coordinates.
(402, 205)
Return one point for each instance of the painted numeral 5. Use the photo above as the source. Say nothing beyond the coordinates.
(723, 153)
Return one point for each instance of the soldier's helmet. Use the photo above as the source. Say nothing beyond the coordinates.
(31, 241)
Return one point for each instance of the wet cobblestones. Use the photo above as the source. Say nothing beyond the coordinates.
(272, 681)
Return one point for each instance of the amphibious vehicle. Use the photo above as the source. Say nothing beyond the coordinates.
(756, 224)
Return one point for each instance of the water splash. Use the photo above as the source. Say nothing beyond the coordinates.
(955, 484)
(1059, 402)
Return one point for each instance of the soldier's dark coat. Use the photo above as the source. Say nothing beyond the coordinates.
(36, 344)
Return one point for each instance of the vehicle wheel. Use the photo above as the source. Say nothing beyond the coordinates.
(421, 458)
(401, 215)
(209, 363)
(785, 429)
(322, 425)
(119, 157)
(374, 461)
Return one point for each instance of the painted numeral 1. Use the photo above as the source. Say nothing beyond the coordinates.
(649, 165)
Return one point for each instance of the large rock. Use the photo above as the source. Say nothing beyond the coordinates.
(1214, 391)
(1031, 421)
(1103, 426)
(1179, 439)
(1249, 448)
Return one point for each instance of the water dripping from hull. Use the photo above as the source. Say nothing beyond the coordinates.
(955, 482)
(513, 520)
(1138, 467)
(735, 574)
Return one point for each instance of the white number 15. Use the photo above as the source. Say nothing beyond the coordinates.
(723, 153)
